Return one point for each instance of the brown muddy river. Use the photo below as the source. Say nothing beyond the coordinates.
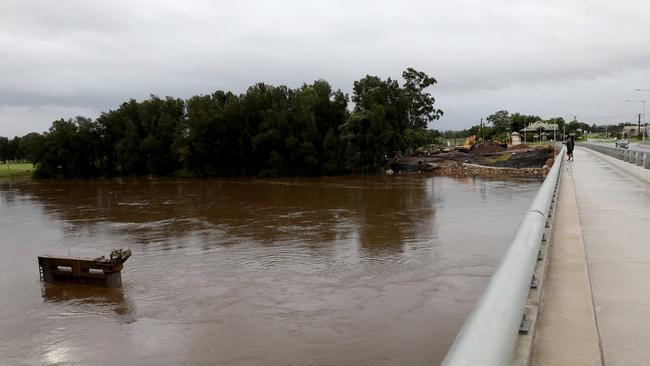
(310, 271)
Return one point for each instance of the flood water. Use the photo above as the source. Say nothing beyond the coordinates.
(309, 271)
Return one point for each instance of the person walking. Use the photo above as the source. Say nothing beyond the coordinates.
(570, 144)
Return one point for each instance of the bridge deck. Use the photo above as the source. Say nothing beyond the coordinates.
(567, 317)
(613, 209)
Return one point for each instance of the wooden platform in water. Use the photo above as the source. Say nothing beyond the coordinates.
(99, 271)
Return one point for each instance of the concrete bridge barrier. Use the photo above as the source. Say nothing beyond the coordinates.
(634, 162)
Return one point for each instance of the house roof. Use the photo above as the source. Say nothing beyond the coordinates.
(534, 127)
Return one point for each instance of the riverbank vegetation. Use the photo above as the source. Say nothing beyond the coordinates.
(266, 131)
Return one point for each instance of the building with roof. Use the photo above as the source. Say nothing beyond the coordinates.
(540, 131)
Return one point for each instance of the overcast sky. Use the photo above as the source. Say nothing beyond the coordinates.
(552, 58)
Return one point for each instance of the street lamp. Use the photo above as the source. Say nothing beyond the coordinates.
(644, 121)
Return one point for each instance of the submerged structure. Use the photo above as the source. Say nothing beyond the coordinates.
(100, 271)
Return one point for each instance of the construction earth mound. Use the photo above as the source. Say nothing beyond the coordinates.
(480, 159)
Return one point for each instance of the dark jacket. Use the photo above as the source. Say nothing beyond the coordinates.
(569, 145)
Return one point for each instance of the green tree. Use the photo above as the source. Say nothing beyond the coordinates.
(403, 115)
(32, 146)
(69, 149)
(213, 134)
(420, 104)
(521, 121)
(137, 138)
(267, 130)
(5, 150)
(577, 128)
(501, 123)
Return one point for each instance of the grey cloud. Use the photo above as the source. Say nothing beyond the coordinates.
(83, 57)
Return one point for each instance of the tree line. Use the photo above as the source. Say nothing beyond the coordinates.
(265, 131)
(500, 124)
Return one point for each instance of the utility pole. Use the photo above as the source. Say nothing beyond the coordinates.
(482, 134)
(644, 120)
(639, 130)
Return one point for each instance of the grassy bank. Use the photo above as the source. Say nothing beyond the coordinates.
(16, 170)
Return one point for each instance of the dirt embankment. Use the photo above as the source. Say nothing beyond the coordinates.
(520, 158)
(484, 160)
(482, 149)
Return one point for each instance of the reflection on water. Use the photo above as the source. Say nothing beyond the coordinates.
(346, 270)
(313, 210)
(89, 298)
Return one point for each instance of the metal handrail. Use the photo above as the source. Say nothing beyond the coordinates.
(489, 335)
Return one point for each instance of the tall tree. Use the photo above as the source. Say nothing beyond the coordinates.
(5, 150)
(69, 149)
(501, 121)
(32, 146)
(420, 103)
